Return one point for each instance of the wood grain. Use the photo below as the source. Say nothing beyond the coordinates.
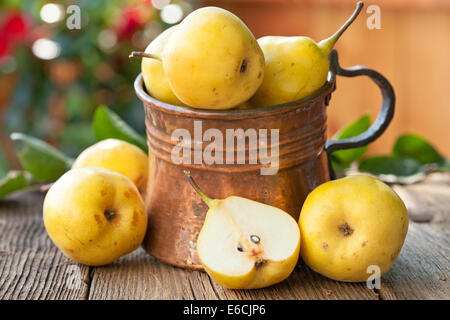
(138, 276)
(418, 272)
(428, 201)
(422, 269)
(31, 267)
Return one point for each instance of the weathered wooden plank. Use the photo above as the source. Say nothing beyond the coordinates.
(304, 284)
(428, 201)
(139, 276)
(422, 269)
(133, 275)
(420, 272)
(31, 267)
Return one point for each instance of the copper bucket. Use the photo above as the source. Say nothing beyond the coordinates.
(176, 213)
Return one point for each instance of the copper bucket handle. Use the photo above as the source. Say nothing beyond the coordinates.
(384, 116)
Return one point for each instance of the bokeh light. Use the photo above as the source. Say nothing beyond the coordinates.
(107, 39)
(160, 4)
(8, 64)
(152, 30)
(46, 49)
(52, 12)
(172, 13)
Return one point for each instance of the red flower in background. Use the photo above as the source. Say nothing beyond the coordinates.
(13, 29)
(133, 16)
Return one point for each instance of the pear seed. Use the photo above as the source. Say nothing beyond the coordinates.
(255, 238)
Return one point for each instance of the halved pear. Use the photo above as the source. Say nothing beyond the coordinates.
(246, 244)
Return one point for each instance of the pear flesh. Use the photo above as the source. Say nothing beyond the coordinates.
(245, 244)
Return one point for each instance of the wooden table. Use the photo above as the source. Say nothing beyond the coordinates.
(31, 267)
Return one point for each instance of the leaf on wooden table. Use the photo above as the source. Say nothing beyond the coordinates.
(416, 147)
(342, 159)
(444, 167)
(14, 181)
(44, 162)
(3, 163)
(393, 169)
(108, 124)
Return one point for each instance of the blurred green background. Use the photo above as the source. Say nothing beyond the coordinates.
(53, 77)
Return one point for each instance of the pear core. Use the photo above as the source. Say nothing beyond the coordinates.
(243, 234)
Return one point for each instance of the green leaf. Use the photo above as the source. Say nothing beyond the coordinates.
(14, 181)
(444, 167)
(43, 161)
(393, 169)
(76, 137)
(3, 164)
(342, 159)
(414, 146)
(108, 124)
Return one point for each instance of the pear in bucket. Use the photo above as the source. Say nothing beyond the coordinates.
(152, 71)
(295, 67)
(211, 60)
(245, 244)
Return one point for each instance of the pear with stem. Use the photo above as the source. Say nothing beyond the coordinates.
(295, 67)
(212, 60)
(245, 244)
(152, 69)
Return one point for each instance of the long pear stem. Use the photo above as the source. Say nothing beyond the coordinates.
(140, 54)
(205, 198)
(255, 239)
(327, 44)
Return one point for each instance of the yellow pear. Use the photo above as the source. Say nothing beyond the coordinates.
(245, 244)
(152, 71)
(351, 224)
(212, 60)
(295, 67)
(119, 156)
(94, 215)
